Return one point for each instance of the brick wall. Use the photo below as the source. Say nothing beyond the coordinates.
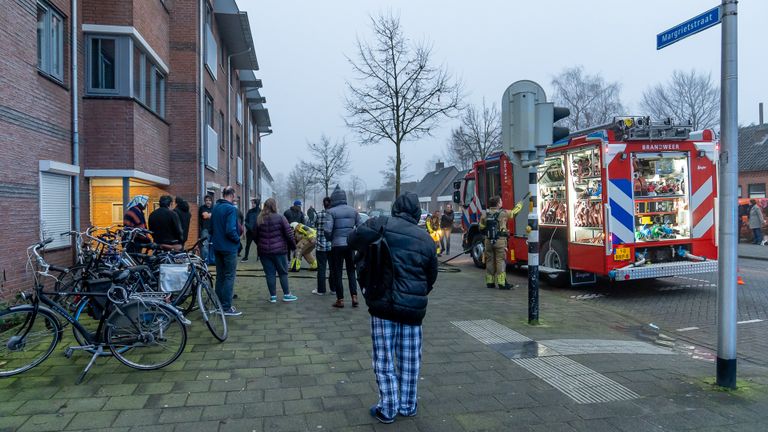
(747, 178)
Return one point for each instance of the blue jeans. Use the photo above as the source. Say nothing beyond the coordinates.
(276, 265)
(758, 233)
(226, 266)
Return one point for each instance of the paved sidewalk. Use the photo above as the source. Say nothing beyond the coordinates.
(306, 366)
(752, 251)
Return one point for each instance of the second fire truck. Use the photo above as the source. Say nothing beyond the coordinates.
(628, 200)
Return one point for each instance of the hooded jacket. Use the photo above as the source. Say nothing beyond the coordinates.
(165, 226)
(341, 219)
(225, 234)
(294, 214)
(252, 216)
(274, 235)
(414, 262)
(182, 211)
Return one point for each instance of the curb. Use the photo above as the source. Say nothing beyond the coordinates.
(759, 258)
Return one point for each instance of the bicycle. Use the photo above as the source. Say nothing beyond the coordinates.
(140, 333)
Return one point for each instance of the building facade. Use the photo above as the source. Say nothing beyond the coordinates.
(102, 100)
(753, 161)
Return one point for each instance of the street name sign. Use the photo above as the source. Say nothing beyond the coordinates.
(694, 25)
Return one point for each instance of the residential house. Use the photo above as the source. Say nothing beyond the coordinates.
(432, 186)
(753, 161)
(115, 99)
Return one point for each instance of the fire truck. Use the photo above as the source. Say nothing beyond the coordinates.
(628, 200)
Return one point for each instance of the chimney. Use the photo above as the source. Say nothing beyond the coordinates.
(761, 113)
(441, 165)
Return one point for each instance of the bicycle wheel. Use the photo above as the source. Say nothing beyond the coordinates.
(145, 334)
(212, 311)
(26, 338)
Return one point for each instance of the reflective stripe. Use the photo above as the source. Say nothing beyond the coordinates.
(700, 195)
(704, 224)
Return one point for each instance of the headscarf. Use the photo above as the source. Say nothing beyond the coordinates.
(142, 200)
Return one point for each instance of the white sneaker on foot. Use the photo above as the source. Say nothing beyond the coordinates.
(316, 292)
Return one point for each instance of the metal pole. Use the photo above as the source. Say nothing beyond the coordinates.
(533, 249)
(729, 177)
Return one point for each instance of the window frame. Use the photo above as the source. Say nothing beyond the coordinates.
(98, 91)
(222, 130)
(757, 193)
(50, 51)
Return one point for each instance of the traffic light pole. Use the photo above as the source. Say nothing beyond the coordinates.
(533, 248)
(729, 180)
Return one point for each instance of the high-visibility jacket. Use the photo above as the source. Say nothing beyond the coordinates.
(304, 232)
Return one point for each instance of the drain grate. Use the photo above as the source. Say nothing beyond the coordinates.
(578, 382)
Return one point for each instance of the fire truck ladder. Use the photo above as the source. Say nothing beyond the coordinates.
(640, 128)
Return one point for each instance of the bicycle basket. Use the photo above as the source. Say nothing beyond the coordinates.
(173, 277)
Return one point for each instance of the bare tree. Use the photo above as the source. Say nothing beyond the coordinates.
(300, 183)
(686, 97)
(391, 174)
(355, 187)
(329, 161)
(478, 136)
(591, 100)
(397, 93)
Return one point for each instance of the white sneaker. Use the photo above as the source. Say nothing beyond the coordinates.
(315, 292)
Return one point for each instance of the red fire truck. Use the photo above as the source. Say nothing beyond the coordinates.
(628, 200)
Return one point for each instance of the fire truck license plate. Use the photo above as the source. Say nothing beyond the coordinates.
(621, 254)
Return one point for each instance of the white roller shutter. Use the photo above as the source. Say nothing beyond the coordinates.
(55, 207)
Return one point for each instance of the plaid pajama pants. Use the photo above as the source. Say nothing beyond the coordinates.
(397, 382)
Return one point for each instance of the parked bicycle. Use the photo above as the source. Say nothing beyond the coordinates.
(140, 332)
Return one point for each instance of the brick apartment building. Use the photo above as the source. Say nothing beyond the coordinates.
(165, 101)
(753, 161)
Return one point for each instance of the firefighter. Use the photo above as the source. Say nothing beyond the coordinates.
(305, 246)
(493, 223)
(433, 228)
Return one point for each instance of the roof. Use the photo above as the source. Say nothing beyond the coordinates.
(434, 180)
(408, 186)
(265, 172)
(449, 188)
(753, 148)
(235, 31)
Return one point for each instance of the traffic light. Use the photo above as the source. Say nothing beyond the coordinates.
(559, 132)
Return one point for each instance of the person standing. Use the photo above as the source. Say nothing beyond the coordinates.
(756, 221)
(250, 227)
(134, 218)
(204, 225)
(446, 226)
(165, 226)
(342, 220)
(433, 229)
(274, 239)
(294, 213)
(322, 248)
(493, 223)
(182, 211)
(225, 237)
(312, 217)
(406, 276)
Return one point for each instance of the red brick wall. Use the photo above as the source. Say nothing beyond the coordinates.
(35, 119)
(747, 178)
(150, 142)
(109, 12)
(109, 147)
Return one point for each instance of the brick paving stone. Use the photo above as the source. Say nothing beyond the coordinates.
(192, 386)
(200, 426)
(126, 402)
(228, 411)
(302, 406)
(93, 420)
(153, 428)
(263, 409)
(154, 388)
(282, 394)
(244, 396)
(12, 423)
(46, 422)
(208, 398)
(180, 414)
(168, 400)
(285, 424)
(139, 417)
(240, 425)
(47, 406)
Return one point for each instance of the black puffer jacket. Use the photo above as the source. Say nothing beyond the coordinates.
(341, 219)
(413, 258)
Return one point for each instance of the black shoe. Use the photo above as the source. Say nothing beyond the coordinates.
(490, 285)
(505, 287)
(234, 296)
(376, 413)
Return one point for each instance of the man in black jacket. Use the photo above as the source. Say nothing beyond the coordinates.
(398, 310)
(250, 227)
(165, 225)
(295, 214)
(182, 211)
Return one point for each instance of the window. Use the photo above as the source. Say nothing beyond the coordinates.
(221, 130)
(756, 190)
(209, 110)
(739, 191)
(50, 41)
(239, 109)
(118, 66)
(103, 58)
(117, 213)
(210, 47)
(55, 207)
(211, 138)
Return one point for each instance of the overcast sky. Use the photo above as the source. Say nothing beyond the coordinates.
(301, 48)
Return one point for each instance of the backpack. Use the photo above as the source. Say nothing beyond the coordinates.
(492, 227)
(375, 269)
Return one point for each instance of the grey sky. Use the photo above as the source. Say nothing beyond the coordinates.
(488, 44)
